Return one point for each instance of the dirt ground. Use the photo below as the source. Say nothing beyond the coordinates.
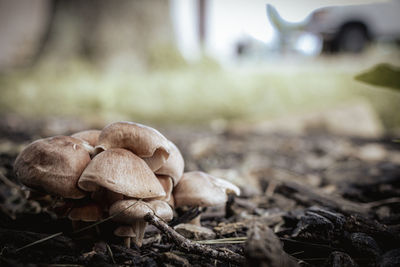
(308, 199)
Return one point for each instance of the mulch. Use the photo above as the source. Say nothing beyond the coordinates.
(308, 199)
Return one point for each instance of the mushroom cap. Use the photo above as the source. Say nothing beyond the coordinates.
(90, 212)
(121, 171)
(90, 136)
(53, 165)
(144, 141)
(139, 209)
(174, 165)
(124, 231)
(168, 185)
(201, 189)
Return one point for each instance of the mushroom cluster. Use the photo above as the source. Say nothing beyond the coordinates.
(125, 171)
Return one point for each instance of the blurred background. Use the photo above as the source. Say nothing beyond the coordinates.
(273, 64)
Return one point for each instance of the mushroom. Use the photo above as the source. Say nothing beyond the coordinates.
(126, 232)
(142, 140)
(198, 189)
(121, 171)
(132, 211)
(54, 165)
(90, 212)
(90, 136)
(174, 166)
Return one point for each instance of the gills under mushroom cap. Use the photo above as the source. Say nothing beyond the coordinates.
(121, 171)
(201, 189)
(54, 165)
(142, 140)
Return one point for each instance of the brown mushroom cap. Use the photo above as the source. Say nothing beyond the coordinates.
(121, 171)
(174, 165)
(88, 213)
(139, 209)
(53, 165)
(201, 189)
(142, 140)
(90, 136)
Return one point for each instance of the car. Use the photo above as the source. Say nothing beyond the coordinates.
(351, 28)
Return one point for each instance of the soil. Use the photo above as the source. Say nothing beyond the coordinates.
(308, 199)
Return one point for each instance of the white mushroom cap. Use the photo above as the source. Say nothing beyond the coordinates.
(90, 136)
(139, 209)
(144, 141)
(201, 189)
(174, 165)
(121, 171)
(54, 165)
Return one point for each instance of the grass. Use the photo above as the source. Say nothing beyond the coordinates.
(193, 94)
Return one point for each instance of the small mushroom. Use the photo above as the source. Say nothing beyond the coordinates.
(198, 189)
(121, 171)
(132, 211)
(126, 232)
(144, 141)
(90, 212)
(174, 165)
(54, 165)
(90, 136)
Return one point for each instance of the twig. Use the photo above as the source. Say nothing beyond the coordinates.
(193, 247)
(8, 182)
(39, 241)
(229, 240)
(382, 202)
(110, 253)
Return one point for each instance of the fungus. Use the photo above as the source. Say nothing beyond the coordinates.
(90, 136)
(89, 212)
(121, 171)
(126, 232)
(143, 141)
(132, 212)
(168, 185)
(174, 165)
(198, 189)
(54, 165)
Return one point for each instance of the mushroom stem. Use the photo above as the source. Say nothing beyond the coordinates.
(127, 241)
(196, 220)
(139, 227)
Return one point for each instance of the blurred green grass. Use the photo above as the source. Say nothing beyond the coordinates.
(196, 93)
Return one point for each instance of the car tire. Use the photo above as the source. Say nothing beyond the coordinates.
(352, 38)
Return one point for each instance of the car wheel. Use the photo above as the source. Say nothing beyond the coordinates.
(352, 38)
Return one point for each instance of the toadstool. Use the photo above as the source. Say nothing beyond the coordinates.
(144, 141)
(198, 189)
(54, 165)
(131, 211)
(90, 136)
